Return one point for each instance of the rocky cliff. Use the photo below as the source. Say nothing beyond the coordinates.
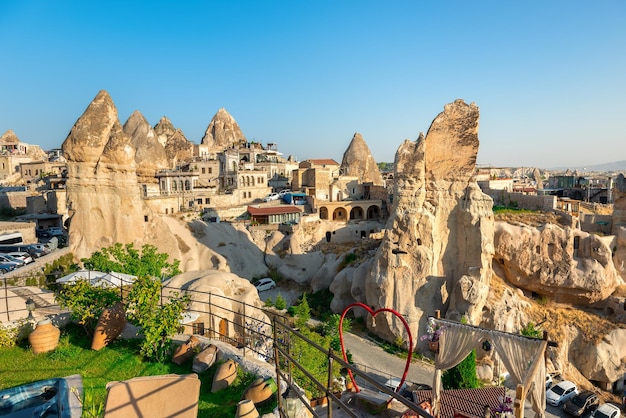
(223, 132)
(569, 265)
(102, 189)
(150, 155)
(438, 245)
(358, 162)
(178, 149)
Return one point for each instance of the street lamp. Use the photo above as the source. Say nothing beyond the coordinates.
(292, 403)
(30, 307)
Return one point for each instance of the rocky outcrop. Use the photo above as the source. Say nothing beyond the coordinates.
(164, 130)
(150, 155)
(566, 264)
(440, 230)
(178, 149)
(9, 137)
(102, 190)
(603, 362)
(223, 132)
(358, 162)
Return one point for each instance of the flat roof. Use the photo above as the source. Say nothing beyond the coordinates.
(273, 210)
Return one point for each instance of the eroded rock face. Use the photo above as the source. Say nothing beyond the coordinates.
(101, 176)
(569, 265)
(601, 362)
(358, 162)
(440, 230)
(223, 132)
(149, 153)
(164, 129)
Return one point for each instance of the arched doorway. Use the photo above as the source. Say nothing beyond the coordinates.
(340, 214)
(223, 329)
(323, 212)
(373, 212)
(356, 213)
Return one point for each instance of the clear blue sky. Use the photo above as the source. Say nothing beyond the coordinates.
(549, 76)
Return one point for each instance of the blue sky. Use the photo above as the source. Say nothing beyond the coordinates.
(549, 77)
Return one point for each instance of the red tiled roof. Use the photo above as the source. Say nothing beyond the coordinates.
(273, 210)
(470, 402)
(324, 161)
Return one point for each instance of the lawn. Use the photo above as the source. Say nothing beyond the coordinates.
(118, 361)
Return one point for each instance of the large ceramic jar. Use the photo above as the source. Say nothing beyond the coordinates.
(110, 326)
(45, 337)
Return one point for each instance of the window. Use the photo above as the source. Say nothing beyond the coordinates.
(207, 200)
(203, 170)
(210, 170)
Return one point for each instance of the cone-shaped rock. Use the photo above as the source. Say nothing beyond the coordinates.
(223, 132)
(149, 153)
(102, 189)
(438, 246)
(358, 161)
(178, 149)
(164, 129)
(9, 137)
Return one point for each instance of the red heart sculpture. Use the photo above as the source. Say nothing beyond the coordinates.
(374, 313)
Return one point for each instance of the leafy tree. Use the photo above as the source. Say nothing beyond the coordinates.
(463, 375)
(86, 302)
(158, 321)
(303, 312)
(280, 302)
(127, 259)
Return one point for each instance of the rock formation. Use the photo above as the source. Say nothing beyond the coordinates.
(358, 161)
(33, 151)
(438, 245)
(9, 137)
(223, 132)
(538, 178)
(178, 149)
(149, 153)
(164, 130)
(101, 176)
(568, 265)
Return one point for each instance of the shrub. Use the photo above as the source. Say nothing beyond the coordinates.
(530, 330)
(463, 375)
(280, 302)
(86, 302)
(127, 259)
(159, 322)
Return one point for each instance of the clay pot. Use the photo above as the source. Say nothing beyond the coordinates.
(204, 359)
(433, 346)
(260, 390)
(184, 351)
(110, 326)
(246, 409)
(45, 337)
(224, 376)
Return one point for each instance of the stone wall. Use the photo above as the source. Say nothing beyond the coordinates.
(13, 200)
(522, 201)
(591, 223)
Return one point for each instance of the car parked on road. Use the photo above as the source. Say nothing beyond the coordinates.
(270, 197)
(5, 268)
(265, 284)
(561, 393)
(549, 381)
(21, 255)
(585, 401)
(607, 410)
(7, 259)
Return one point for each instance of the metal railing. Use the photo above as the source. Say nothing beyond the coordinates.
(260, 332)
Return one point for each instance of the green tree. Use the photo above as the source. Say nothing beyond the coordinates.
(463, 375)
(280, 302)
(303, 312)
(159, 321)
(127, 259)
(86, 302)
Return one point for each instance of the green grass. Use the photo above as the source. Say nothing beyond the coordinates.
(118, 361)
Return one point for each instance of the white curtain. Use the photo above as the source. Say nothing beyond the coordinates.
(518, 354)
(455, 343)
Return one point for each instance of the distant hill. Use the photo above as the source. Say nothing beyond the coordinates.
(613, 166)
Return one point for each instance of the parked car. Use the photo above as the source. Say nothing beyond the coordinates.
(270, 197)
(561, 393)
(585, 401)
(5, 268)
(549, 381)
(6, 259)
(21, 255)
(283, 192)
(265, 284)
(56, 231)
(606, 410)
